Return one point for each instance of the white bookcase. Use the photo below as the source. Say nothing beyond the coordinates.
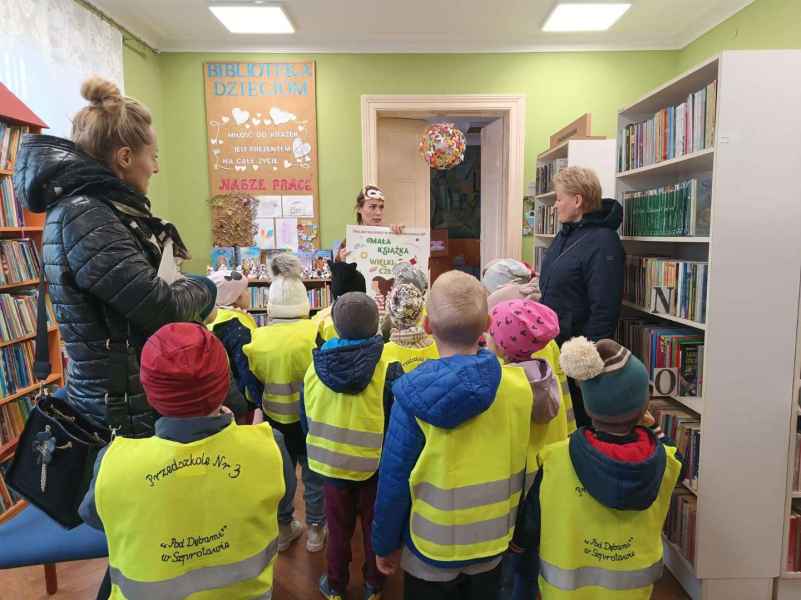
(752, 346)
(598, 155)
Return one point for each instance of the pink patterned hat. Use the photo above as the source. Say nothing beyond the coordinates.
(522, 327)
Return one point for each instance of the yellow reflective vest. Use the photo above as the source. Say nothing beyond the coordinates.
(409, 358)
(467, 482)
(228, 314)
(278, 356)
(346, 431)
(589, 551)
(327, 329)
(558, 428)
(194, 520)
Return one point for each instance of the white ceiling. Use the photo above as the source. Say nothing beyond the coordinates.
(419, 26)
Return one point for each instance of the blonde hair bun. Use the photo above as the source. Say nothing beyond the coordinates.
(98, 90)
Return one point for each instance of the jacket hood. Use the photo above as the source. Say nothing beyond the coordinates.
(610, 216)
(616, 484)
(49, 168)
(545, 388)
(348, 369)
(449, 391)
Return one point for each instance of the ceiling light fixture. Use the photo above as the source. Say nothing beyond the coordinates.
(256, 16)
(584, 17)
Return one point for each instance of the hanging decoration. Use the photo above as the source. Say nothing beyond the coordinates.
(442, 146)
(232, 220)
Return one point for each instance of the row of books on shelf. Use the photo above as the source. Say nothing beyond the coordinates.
(16, 368)
(546, 172)
(10, 138)
(684, 428)
(11, 214)
(319, 298)
(254, 262)
(661, 347)
(796, 449)
(671, 132)
(667, 286)
(681, 209)
(18, 315)
(544, 219)
(20, 261)
(680, 522)
(794, 538)
(12, 418)
(8, 497)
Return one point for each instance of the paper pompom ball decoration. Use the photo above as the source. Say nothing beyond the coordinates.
(442, 146)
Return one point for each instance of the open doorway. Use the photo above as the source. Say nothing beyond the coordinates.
(480, 201)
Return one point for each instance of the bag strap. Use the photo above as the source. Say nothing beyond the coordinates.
(41, 365)
(118, 413)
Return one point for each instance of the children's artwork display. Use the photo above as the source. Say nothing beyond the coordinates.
(261, 121)
(376, 251)
(232, 220)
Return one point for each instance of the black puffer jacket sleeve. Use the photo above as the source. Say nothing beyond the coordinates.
(108, 263)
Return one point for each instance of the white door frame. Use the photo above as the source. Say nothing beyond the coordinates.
(510, 108)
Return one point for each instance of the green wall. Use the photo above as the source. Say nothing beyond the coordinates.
(558, 87)
(143, 82)
(774, 24)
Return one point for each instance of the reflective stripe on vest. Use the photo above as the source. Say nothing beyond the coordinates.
(160, 548)
(346, 431)
(279, 355)
(469, 496)
(589, 551)
(200, 580)
(573, 579)
(465, 488)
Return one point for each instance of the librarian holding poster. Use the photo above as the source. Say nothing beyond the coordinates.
(581, 277)
(369, 211)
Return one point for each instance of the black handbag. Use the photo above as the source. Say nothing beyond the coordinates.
(55, 456)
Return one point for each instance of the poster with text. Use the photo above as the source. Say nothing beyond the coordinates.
(261, 120)
(376, 250)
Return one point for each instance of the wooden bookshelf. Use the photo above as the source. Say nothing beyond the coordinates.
(594, 153)
(754, 258)
(311, 284)
(666, 240)
(14, 112)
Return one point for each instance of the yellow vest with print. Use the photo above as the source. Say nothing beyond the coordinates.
(409, 358)
(589, 551)
(346, 431)
(194, 520)
(467, 482)
(278, 356)
(228, 314)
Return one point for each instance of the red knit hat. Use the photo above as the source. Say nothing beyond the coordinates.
(184, 371)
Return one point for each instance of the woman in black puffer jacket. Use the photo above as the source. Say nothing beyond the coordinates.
(102, 251)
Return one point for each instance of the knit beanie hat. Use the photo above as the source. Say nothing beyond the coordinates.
(501, 271)
(405, 304)
(355, 316)
(288, 298)
(614, 383)
(405, 272)
(230, 285)
(515, 291)
(522, 327)
(184, 371)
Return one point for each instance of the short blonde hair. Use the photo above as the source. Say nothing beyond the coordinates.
(110, 121)
(579, 181)
(457, 308)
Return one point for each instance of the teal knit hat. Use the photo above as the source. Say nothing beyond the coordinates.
(614, 383)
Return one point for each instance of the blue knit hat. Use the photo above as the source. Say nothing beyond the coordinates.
(614, 383)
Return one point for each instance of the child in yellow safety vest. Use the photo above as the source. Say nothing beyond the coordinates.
(453, 466)
(346, 401)
(595, 513)
(408, 343)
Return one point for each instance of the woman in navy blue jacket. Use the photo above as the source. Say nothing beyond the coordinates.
(581, 276)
